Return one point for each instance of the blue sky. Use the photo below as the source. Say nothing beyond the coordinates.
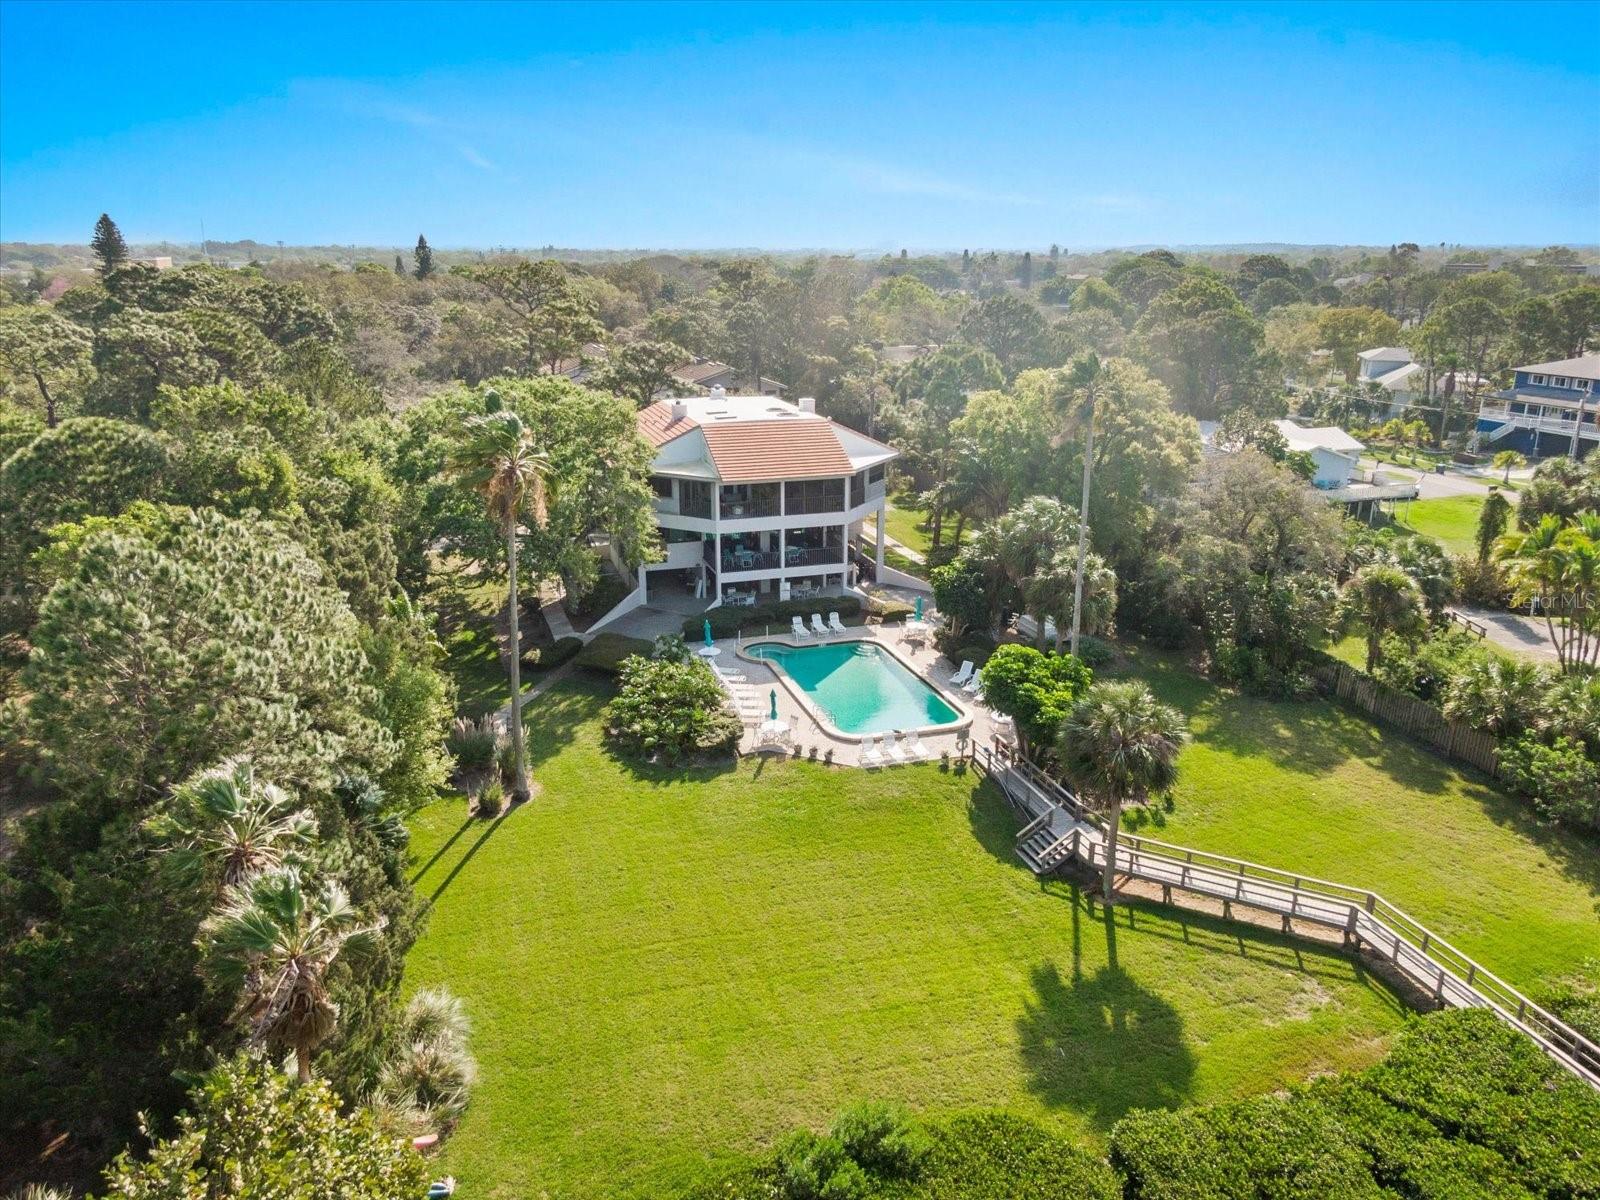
(795, 126)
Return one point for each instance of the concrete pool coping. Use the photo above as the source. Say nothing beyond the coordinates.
(798, 693)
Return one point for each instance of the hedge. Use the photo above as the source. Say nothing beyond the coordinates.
(1463, 1107)
(606, 651)
(548, 658)
(727, 620)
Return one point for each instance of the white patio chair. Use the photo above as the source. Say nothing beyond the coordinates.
(914, 747)
(964, 675)
(817, 627)
(835, 624)
(872, 756)
(972, 685)
(891, 747)
(798, 628)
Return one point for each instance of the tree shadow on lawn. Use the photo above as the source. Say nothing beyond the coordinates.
(1576, 854)
(1102, 1044)
(489, 831)
(554, 718)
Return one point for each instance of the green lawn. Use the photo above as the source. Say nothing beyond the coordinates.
(466, 607)
(1452, 521)
(905, 522)
(667, 966)
(1310, 787)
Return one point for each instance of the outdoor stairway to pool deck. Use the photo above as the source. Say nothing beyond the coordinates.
(1059, 831)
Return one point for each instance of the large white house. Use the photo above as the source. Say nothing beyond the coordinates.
(757, 498)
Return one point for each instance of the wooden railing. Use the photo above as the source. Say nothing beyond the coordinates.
(1424, 958)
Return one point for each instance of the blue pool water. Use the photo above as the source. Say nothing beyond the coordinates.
(861, 687)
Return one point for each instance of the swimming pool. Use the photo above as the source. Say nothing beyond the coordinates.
(859, 686)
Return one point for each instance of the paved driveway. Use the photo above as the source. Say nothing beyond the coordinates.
(1522, 635)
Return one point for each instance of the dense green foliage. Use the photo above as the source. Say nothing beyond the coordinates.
(671, 710)
(1461, 1107)
(1035, 688)
(728, 620)
(254, 1136)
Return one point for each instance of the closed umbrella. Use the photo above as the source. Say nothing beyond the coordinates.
(919, 608)
(709, 650)
(773, 715)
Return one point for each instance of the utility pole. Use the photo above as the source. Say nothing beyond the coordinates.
(1577, 428)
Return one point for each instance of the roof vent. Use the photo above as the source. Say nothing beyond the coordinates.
(680, 410)
(808, 404)
(719, 392)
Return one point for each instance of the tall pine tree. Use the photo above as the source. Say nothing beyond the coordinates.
(108, 245)
(399, 265)
(424, 256)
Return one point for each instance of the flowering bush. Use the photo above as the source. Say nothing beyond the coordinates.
(671, 710)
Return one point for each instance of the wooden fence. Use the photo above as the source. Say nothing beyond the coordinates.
(1413, 717)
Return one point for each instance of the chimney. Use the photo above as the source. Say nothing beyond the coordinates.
(680, 410)
(719, 392)
(808, 404)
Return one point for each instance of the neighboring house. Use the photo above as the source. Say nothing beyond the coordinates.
(756, 496)
(580, 368)
(903, 355)
(1334, 451)
(706, 373)
(1391, 368)
(1551, 409)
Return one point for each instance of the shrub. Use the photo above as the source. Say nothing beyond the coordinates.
(491, 798)
(883, 1138)
(1463, 1107)
(608, 651)
(1481, 584)
(606, 594)
(1560, 779)
(727, 620)
(671, 709)
(1575, 998)
(548, 658)
(473, 744)
(672, 646)
(1095, 652)
(975, 652)
(430, 1071)
(1037, 689)
(810, 1167)
(891, 612)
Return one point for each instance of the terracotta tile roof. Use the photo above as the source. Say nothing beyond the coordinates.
(658, 427)
(786, 448)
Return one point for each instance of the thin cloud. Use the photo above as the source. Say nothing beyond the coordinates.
(476, 159)
(888, 179)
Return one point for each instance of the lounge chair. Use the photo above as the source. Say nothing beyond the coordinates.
(964, 676)
(872, 756)
(914, 746)
(835, 624)
(972, 685)
(798, 628)
(731, 676)
(891, 747)
(817, 627)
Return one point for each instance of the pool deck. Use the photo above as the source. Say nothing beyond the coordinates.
(816, 738)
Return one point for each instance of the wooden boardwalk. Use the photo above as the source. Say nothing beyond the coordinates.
(1059, 831)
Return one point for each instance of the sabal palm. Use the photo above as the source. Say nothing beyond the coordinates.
(274, 940)
(1558, 565)
(1120, 745)
(1381, 599)
(228, 820)
(1084, 378)
(498, 459)
(1496, 694)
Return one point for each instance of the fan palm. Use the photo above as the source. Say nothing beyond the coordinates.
(498, 460)
(226, 819)
(1381, 599)
(1558, 566)
(1120, 745)
(1497, 694)
(274, 941)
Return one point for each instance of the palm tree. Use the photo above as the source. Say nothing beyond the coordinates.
(1497, 694)
(1381, 599)
(498, 460)
(1557, 565)
(1505, 460)
(229, 820)
(1083, 377)
(1121, 744)
(274, 940)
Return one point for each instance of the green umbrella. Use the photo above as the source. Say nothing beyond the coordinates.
(919, 608)
(774, 715)
(708, 631)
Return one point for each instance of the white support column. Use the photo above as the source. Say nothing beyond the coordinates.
(883, 534)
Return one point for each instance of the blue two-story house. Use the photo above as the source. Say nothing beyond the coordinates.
(1549, 407)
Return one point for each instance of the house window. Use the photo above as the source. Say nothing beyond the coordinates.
(661, 486)
(814, 496)
(1558, 381)
(694, 498)
(875, 474)
(1535, 378)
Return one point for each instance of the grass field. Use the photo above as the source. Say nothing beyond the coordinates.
(667, 967)
(1310, 787)
(905, 526)
(1452, 521)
